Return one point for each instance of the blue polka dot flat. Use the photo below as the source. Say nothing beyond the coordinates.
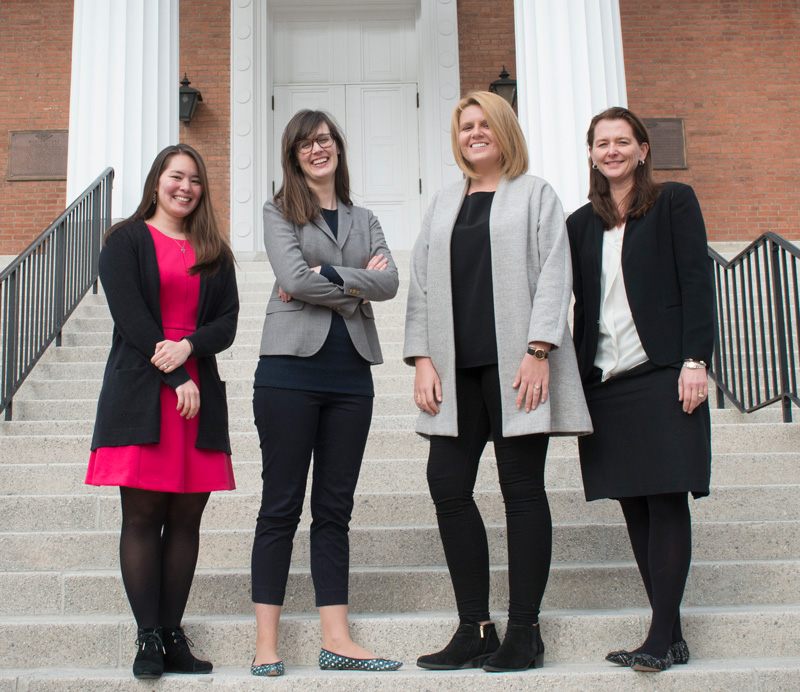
(270, 670)
(331, 661)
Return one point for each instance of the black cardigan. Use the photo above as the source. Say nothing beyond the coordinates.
(668, 279)
(128, 410)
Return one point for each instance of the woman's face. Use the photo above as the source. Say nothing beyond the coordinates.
(179, 189)
(476, 140)
(318, 156)
(615, 151)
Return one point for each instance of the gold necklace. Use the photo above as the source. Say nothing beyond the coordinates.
(181, 245)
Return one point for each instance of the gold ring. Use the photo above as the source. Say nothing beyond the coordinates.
(701, 394)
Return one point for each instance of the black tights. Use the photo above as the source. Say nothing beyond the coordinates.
(660, 530)
(452, 471)
(158, 552)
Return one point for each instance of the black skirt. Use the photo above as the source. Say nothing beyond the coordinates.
(643, 443)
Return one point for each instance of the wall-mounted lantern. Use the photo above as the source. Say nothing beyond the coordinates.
(505, 87)
(189, 97)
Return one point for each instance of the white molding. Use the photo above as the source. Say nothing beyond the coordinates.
(123, 93)
(569, 67)
(251, 40)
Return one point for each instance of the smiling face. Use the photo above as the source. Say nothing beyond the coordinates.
(477, 142)
(319, 163)
(179, 188)
(616, 152)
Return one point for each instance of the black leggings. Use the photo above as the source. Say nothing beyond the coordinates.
(660, 530)
(293, 424)
(158, 552)
(452, 470)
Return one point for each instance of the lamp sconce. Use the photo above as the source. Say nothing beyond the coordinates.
(188, 98)
(505, 87)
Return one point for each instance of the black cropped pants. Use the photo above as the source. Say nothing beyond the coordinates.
(452, 471)
(293, 425)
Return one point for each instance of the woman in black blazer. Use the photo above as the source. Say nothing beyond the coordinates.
(643, 331)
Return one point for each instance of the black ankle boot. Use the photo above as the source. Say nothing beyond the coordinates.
(470, 646)
(522, 648)
(177, 656)
(149, 661)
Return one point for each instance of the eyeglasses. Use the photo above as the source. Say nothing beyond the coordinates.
(325, 140)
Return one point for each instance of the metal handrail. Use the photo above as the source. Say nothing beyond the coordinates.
(40, 288)
(758, 317)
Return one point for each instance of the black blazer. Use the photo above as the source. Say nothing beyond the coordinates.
(129, 410)
(668, 279)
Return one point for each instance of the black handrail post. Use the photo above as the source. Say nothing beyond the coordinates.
(780, 326)
(60, 280)
(12, 316)
(97, 226)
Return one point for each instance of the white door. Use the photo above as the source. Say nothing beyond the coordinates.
(380, 125)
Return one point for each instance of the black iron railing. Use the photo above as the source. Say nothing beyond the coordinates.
(758, 316)
(40, 289)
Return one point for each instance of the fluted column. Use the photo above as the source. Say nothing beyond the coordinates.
(123, 95)
(569, 67)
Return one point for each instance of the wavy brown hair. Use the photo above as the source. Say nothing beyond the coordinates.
(505, 128)
(645, 190)
(295, 199)
(211, 248)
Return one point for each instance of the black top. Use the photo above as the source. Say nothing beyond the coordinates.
(336, 367)
(471, 275)
(129, 409)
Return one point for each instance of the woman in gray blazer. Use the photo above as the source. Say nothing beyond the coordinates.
(486, 329)
(313, 387)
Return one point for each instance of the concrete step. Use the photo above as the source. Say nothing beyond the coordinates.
(106, 642)
(399, 546)
(708, 675)
(20, 443)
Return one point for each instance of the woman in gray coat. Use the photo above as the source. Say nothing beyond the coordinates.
(486, 329)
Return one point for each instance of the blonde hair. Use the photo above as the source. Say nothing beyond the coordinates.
(505, 128)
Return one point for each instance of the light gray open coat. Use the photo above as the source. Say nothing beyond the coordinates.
(532, 283)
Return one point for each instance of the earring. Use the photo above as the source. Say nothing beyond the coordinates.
(641, 163)
(594, 165)
(155, 197)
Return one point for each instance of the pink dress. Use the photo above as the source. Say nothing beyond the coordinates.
(174, 464)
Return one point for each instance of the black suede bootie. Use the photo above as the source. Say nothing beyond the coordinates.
(470, 646)
(522, 648)
(149, 661)
(177, 656)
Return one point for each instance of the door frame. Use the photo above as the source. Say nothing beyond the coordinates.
(251, 114)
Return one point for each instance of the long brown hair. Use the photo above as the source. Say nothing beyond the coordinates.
(211, 247)
(295, 199)
(645, 190)
(505, 128)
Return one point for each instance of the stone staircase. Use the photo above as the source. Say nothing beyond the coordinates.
(65, 623)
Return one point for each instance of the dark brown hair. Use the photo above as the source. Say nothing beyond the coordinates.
(211, 247)
(645, 190)
(295, 199)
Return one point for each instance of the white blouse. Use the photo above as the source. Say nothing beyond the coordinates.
(618, 347)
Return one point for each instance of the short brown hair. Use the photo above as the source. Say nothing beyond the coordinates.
(295, 199)
(505, 128)
(645, 189)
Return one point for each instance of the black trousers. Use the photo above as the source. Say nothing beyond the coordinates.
(452, 470)
(293, 424)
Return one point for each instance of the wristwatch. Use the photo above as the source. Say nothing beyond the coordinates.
(538, 353)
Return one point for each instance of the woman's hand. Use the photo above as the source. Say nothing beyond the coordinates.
(533, 381)
(378, 263)
(171, 354)
(427, 386)
(285, 297)
(188, 399)
(691, 384)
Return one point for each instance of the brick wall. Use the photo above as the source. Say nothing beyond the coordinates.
(35, 63)
(730, 68)
(485, 42)
(205, 27)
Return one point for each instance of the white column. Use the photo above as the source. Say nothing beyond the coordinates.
(569, 68)
(123, 95)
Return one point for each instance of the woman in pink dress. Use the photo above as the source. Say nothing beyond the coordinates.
(161, 432)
